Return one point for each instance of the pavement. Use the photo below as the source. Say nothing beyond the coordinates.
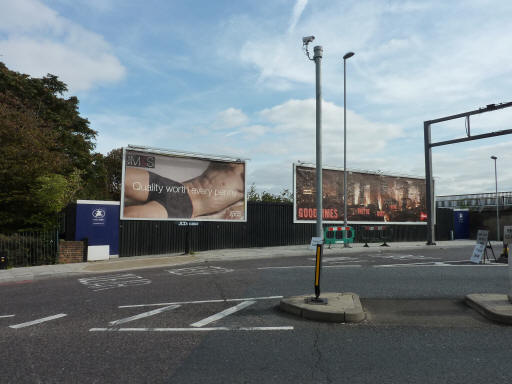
(496, 307)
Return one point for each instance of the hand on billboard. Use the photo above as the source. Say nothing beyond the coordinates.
(224, 183)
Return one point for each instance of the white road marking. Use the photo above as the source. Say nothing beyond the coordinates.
(38, 321)
(201, 302)
(143, 315)
(201, 270)
(285, 328)
(399, 257)
(223, 314)
(312, 266)
(289, 267)
(336, 259)
(5, 316)
(100, 283)
(438, 264)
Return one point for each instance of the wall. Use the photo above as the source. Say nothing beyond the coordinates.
(71, 252)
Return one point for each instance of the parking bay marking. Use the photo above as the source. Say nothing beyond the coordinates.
(285, 328)
(38, 321)
(220, 315)
(201, 302)
(197, 326)
(143, 315)
(5, 316)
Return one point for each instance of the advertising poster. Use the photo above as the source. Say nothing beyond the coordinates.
(168, 186)
(371, 198)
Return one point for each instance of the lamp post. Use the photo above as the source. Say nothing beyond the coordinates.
(497, 202)
(317, 58)
(347, 55)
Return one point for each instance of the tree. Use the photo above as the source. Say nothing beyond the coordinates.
(46, 146)
(266, 197)
(113, 163)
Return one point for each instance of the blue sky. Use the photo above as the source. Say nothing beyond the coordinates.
(230, 78)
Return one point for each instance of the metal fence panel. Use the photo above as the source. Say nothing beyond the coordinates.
(268, 224)
(30, 248)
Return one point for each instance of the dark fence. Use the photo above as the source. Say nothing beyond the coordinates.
(29, 248)
(484, 218)
(268, 224)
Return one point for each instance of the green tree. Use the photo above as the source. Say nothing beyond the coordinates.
(45, 144)
(113, 163)
(51, 194)
(266, 197)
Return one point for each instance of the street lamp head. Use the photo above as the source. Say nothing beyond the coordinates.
(493, 157)
(348, 55)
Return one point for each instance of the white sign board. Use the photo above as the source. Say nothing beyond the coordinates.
(481, 243)
(98, 252)
(315, 241)
(507, 234)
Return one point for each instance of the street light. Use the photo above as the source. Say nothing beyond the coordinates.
(497, 203)
(347, 55)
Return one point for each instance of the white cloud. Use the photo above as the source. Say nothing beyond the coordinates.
(40, 41)
(297, 119)
(230, 118)
(297, 12)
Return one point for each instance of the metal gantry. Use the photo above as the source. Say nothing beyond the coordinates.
(428, 153)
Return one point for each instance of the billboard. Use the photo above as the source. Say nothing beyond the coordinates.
(372, 198)
(160, 185)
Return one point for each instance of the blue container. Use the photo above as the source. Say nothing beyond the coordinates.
(461, 223)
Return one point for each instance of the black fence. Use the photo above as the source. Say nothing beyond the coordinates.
(25, 249)
(268, 224)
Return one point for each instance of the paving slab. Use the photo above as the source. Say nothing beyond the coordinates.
(339, 307)
(494, 306)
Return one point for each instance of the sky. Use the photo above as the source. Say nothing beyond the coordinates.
(230, 77)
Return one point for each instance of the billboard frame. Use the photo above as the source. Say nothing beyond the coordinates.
(181, 154)
(309, 165)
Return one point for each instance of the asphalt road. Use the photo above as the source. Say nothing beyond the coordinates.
(220, 323)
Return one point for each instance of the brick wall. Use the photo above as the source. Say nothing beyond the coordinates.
(71, 252)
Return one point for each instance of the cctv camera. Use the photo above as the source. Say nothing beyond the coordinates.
(308, 39)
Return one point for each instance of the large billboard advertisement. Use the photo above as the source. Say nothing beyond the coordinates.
(159, 185)
(372, 198)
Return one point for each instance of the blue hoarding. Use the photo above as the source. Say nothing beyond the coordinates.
(98, 221)
(461, 223)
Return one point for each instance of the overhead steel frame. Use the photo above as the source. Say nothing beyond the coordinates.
(428, 154)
